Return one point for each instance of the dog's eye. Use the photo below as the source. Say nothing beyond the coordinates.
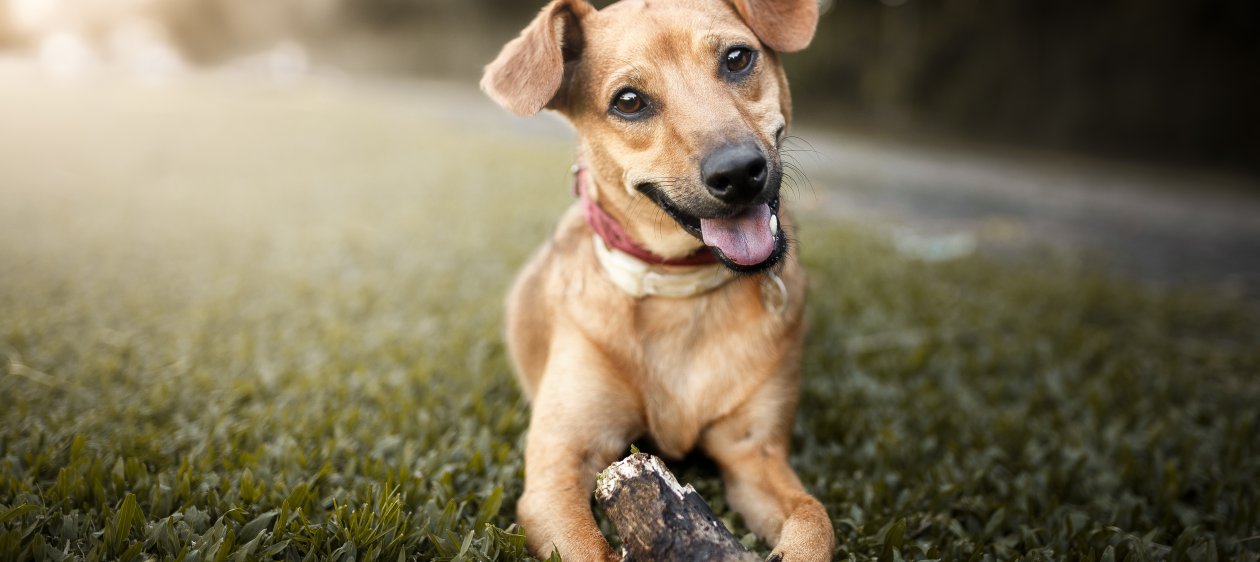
(738, 60)
(628, 103)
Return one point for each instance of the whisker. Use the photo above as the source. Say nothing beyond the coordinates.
(795, 139)
(800, 177)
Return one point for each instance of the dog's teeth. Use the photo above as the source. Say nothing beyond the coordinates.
(774, 225)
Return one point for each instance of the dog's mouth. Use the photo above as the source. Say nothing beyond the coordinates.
(748, 240)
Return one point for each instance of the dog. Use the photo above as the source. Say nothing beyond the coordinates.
(668, 304)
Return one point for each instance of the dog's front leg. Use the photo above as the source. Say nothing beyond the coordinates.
(582, 419)
(751, 448)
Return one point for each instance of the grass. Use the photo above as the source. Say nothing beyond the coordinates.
(255, 325)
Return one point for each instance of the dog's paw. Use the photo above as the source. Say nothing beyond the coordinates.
(798, 556)
(792, 551)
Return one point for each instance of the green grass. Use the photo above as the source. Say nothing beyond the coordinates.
(252, 325)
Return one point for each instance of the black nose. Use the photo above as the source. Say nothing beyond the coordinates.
(735, 173)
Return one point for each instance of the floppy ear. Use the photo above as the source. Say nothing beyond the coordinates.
(783, 25)
(528, 71)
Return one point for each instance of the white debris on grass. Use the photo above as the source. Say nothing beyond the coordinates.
(932, 248)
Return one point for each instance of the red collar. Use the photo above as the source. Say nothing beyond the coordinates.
(615, 236)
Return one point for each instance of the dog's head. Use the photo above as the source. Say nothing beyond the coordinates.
(681, 102)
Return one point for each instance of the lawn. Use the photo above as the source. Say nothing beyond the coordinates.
(243, 323)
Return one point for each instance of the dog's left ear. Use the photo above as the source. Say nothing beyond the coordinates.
(528, 72)
(783, 25)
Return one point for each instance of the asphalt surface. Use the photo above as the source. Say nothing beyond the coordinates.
(1161, 225)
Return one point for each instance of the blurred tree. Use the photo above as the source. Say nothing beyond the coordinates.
(1138, 78)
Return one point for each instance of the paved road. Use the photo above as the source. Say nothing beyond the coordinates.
(1159, 224)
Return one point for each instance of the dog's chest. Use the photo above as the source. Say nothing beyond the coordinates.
(699, 361)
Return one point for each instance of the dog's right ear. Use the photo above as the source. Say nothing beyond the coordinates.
(529, 70)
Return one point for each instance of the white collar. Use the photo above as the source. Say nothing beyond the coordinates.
(641, 279)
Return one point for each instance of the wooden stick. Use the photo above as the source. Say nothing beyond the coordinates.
(660, 521)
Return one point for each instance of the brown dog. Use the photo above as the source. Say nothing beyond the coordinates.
(667, 304)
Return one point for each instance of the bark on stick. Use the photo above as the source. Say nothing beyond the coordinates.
(660, 521)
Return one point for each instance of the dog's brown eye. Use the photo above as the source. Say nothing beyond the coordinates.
(628, 102)
(738, 60)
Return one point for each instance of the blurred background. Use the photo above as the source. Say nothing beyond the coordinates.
(1127, 128)
(1166, 80)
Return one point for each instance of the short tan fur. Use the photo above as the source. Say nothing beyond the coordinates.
(719, 370)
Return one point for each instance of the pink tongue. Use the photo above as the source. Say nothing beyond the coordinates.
(743, 239)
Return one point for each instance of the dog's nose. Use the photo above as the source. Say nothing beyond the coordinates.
(735, 173)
